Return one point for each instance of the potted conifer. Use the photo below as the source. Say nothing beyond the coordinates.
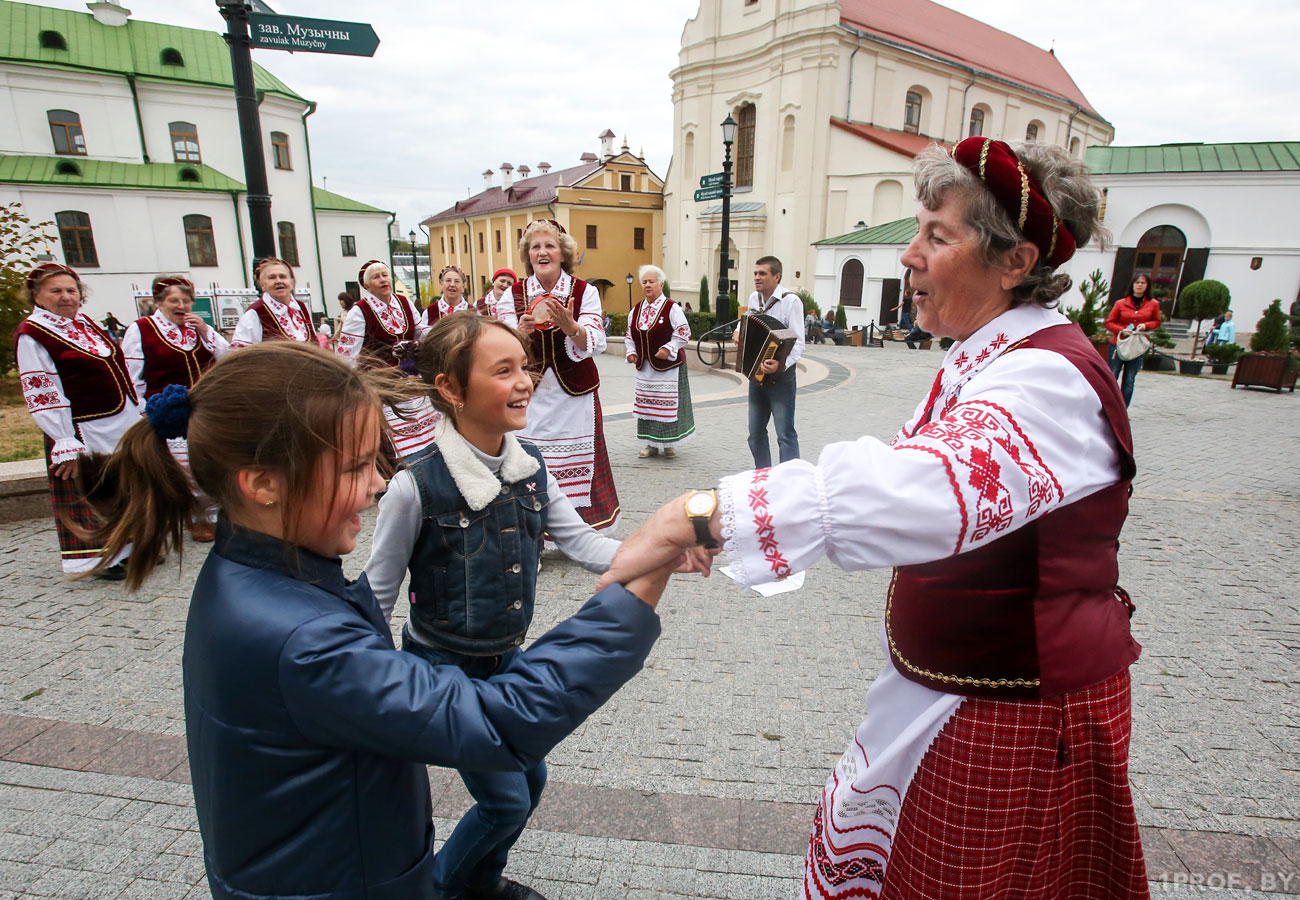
(1223, 355)
(1088, 317)
(1270, 363)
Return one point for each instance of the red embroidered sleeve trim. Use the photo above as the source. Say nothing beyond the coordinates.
(764, 527)
(1029, 445)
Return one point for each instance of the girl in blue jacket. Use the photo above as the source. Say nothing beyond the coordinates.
(308, 733)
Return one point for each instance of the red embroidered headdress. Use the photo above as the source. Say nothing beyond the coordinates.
(163, 282)
(1019, 194)
(46, 270)
(361, 273)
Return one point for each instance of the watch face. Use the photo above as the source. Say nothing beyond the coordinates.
(700, 504)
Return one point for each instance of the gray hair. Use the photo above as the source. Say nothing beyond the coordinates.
(651, 270)
(1064, 181)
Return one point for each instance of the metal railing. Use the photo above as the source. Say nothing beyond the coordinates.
(714, 343)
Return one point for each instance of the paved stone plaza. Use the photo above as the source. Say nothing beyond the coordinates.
(700, 777)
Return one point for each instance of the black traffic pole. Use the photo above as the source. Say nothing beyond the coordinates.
(236, 12)
(723, 305)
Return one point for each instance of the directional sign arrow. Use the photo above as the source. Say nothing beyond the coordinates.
(312, 35)
(713, 193)
(714, 180)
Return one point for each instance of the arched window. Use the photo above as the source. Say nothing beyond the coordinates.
(280, 150)
(1074, 146)
(199, 240)
(67, 168)
(976, 122)
(887, 202)
(52, 40)
(1159, 256)
(851, 283)
(171, 57)
(688, 156)
(77, 239)
(746, 118)
(787, 144)
(65, 129)
(912, 112)
(1033, 130)
(189, 174)
(185, 141)
(288, 243)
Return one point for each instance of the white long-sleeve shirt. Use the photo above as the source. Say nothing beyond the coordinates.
(786, 306)
(589, 316)
(352, 333)
(290, 317)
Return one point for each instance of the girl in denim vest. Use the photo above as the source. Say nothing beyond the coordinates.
(466, 518)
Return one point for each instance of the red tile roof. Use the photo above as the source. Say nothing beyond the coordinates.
(539, 190)
(946, 33)
(903, 142)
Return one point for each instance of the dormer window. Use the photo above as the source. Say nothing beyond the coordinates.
(188, 174)
(53, 40)
(171, 57)
(67, 168)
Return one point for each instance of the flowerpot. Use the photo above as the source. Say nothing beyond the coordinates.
(1220, 368)
(1189, 367)
(1268, 370)
(1103, 347)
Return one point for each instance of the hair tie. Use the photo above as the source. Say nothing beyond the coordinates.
(407, 354)
(169, 412)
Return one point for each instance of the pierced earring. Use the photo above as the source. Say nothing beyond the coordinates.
(459, 407)
(270, 503)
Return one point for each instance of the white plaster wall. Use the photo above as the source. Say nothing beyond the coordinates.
(103, 102)
(371, 232)
(878, 263)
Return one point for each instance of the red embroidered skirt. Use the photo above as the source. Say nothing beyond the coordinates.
(604, 510)
(1024, 799)
(70, 505)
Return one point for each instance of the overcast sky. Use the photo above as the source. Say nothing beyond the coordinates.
(458, 87)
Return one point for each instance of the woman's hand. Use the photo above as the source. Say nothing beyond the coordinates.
(561, 316)
(197, 324)
(634, 360)
(660, 542)
(664, 353)
(67, 471)
(527, 324)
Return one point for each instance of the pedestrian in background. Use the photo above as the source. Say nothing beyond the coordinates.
(1138, 313)
(773, 397)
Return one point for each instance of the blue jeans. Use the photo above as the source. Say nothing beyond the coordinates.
(773, 399)
(475, 853)
(1130, 370)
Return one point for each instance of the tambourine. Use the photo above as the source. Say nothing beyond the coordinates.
(541, 313)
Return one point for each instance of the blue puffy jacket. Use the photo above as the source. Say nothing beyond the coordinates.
(308, 733)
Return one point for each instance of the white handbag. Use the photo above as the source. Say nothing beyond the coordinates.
(1132, 345)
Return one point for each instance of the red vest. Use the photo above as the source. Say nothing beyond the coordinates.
(576, 378)
(271, 330)
(659, 333)
(1038, 612)
(165, 363)
(96, 386)
(377, 346)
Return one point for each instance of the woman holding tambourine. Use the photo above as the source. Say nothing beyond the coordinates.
(561, 314)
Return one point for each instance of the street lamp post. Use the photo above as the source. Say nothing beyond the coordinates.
(258, 198)
(415, 267)
(724, 281)
(629, 279)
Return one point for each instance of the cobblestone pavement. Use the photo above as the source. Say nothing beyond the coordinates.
(698, 779)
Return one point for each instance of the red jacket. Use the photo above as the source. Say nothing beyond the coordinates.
(1124, 313)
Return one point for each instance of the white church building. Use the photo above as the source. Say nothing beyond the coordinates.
(124, 135)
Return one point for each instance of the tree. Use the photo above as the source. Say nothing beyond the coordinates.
(841, 318)
(704, 294)
(1088, 316)
(1204, 300)
(809, 304)
(20, 241)
(1271, 331)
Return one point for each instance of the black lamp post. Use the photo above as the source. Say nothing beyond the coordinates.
(415, 267)
(629, 279)
(724, 281)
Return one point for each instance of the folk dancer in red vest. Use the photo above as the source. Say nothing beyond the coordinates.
(502, 281)
(372, 334)
(77, 388)
(452, 281)
(277, 315)
(173, 346)
(994, 754)
(657, 334)
(564, 418)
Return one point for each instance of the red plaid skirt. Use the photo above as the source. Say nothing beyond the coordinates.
(1024, 799)
(604, 510)
(69, 504)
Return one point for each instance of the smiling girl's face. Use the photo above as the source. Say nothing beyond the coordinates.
(347, 482)
(495, 401)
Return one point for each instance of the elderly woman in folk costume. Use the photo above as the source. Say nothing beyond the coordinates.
(172, 346)
(502, 281)
(995, 746)
(277, 315)
(561, 315)
(77, 387)
(452, 282)
(657, 332)
(381, 330)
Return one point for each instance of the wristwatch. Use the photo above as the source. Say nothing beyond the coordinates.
(699, 510)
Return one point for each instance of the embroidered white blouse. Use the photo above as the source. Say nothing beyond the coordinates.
(647, 312)
(249, 329)
(182, 338)
(46, 400)
(588, 318)
(353, 333)
(444, 309)
(1011, 437)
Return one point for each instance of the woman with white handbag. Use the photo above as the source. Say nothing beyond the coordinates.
(1131, 320)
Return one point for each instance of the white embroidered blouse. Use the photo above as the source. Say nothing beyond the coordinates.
(249, 329)
(352, 335)
(180, 337)
(647, 312)
(589, 313)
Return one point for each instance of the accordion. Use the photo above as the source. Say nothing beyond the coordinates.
(761, 338)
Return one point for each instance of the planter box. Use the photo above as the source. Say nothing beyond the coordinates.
(1219, 368)
(855, 338)
(1189, 367)
(1264, 370)
(1158, 362)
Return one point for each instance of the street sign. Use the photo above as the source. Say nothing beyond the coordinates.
(312, 35)
(713, 193)
(714, 180)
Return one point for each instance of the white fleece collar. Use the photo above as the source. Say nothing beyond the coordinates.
(475, 481)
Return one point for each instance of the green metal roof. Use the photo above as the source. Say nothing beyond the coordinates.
(1269, 156)
(898, 232)
(134, 48)
(329, 200)
(103, 173)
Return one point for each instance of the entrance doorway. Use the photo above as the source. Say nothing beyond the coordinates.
(889, 290)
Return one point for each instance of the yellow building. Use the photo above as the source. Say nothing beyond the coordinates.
(612, 205)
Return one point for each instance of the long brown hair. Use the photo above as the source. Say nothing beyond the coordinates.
(448, 349)
(279, 405)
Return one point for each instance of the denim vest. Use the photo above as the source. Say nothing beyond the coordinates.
(474, 574)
